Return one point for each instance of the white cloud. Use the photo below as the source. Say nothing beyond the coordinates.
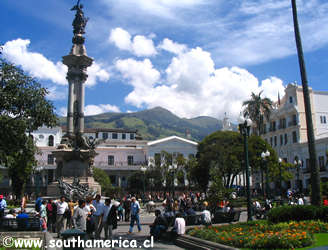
(37, 65)
(99, 109)
(143, 46)
(34, 63)
(121, 38)
(193, 86)
(140, 45)
(141, 74)
(96, 73)
(56, 94)
(190, 70)
(172, 47)
(93, 109)
(271, 87)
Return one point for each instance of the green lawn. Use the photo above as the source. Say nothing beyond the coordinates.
(320, 240)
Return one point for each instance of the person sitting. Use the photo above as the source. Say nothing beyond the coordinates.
(22, 219)
(11, 214)
(159, 225)
(206, 215)
(227, 207)
(179, 227)
(190, 211)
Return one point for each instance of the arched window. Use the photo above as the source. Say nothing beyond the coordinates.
(51, 141)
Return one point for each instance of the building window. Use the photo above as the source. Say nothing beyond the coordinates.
(290, 99)
(105, 136)
(323, 119)
(294, 137)
(123, 136)
(275, 141)
(51, 159)
(286, 139)
(131, 136)
(271, 141)
(114, 136)
(111, 160)
(281, 139)
(273, 126)
(130, 160)
(51, 141)
(322, 163)
(42, 136)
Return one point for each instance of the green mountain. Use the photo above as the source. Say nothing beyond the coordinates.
(155, 123)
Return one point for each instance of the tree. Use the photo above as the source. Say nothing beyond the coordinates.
(222, 151)
(257, 108)
(256, 146)
(103, 179)
(315, 176)
(23, 108)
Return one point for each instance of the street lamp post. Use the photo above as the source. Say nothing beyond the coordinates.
(143, 169)
(173, 168)
(280, 176)
(265, 156)
(244, 127)
(298, 164)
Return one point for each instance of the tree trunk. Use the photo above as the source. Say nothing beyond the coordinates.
(315, 177)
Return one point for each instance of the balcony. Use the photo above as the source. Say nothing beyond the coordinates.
(120, 165)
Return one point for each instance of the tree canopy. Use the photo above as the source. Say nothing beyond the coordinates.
(221, 155)
(257, 108)
(23, 108)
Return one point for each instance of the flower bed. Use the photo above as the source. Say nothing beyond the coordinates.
(260, 234)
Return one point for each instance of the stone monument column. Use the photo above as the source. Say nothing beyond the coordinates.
(75, 155)
(77, 62)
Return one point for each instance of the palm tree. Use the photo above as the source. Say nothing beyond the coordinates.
(315, 177)
(257, 108)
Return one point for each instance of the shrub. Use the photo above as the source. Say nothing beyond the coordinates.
(297, 213)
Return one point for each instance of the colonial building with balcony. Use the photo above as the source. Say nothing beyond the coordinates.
(286, 132)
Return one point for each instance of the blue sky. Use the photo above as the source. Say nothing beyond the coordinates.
(193, 57)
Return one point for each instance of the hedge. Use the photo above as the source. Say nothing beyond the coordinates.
(297, 213)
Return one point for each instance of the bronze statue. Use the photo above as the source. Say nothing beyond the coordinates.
(79, 23)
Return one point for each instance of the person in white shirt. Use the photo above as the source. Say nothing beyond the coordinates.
(97, 215)
(206, 215)
(300, 201)
(11, 215)
(179, 227)
(62, 207)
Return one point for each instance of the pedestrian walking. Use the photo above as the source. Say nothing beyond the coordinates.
(109, 219)
(62, 207)
(43, 214)
(135, 209)
(79, 219)
(97, 215)
(51, 216)
(127, 207)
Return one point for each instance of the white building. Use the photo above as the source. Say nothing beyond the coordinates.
(287, 132)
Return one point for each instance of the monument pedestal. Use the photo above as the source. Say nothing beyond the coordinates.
(53, 189)
(74, 164)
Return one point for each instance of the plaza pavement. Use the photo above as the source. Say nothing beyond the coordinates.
(145, 220)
